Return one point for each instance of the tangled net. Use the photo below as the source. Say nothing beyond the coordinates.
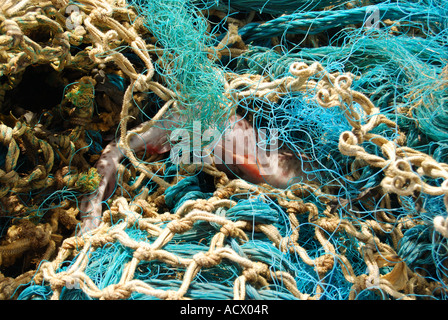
(357, 91)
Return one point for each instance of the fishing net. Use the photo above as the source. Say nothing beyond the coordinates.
(355, 92)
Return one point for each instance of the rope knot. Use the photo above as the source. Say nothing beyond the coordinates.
(116, 292)
(172, 295)
(371, 245)
(9, 178)
(58, 281)
(73, 243)
(145, 252)
(207, 259)
(100, 15)
(229, 230)
(141, 84)
(324, 263)
(360, 282)
(256, 272)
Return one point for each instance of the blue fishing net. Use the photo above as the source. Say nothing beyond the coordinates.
(333, 235)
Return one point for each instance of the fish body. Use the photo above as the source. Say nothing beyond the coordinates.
(154, 141)
(237, 154)
(249, 161)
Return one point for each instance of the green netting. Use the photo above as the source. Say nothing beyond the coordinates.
(354, 95)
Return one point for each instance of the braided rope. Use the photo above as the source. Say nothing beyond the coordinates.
(404, 168)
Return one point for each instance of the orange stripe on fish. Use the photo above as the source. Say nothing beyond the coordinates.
(249, 168)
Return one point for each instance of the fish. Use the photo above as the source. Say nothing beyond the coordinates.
(238, 148)
(278, 167)
(153, 141)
